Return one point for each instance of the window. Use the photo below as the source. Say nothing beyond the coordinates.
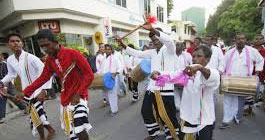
(121, 3)
(185, 29)
(147, 7)
(160, 14)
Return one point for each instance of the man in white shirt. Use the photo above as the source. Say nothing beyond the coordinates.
(28, 67)
(216, 59)
(197, 106)
(100, 56)
(99, 60)
(161, 62)
(239, 61)
(113, 65)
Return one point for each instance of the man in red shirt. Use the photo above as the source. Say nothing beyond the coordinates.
(75, 75)
(197, 42)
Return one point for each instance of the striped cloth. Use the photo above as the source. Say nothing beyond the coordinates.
(74, 119)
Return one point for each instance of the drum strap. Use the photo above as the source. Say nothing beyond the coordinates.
(163, 114)
(66, 73)
(228, 63)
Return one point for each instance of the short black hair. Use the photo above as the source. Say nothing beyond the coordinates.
(159, 29)
(198, 38)
(259, 35)
(5, 55)
(131, 46)
(210, 36)
(100, 44)
(109, 45)
(46, 34)
(13, 34)
(206, 50)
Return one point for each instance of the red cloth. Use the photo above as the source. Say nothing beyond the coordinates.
(262, 74)
(191, 49)
(78, 80)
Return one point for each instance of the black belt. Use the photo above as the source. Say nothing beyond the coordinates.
(165, 91)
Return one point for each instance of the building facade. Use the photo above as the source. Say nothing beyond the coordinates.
(185, 31)
(196, 15)
(80, 22)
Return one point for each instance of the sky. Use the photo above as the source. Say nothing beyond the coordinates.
(181, 5)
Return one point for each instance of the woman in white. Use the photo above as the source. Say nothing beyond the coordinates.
(113, 65)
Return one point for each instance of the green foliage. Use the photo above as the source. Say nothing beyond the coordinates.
(212, 25)
(243, 17)
(234, 16)
(79, 48)
(170, 5)
(61, 39)
(125, 41)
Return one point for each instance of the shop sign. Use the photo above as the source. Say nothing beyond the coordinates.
(107, 27)
(53, 25)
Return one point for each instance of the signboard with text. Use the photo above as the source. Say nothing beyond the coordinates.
(53, 25)
(107, 27)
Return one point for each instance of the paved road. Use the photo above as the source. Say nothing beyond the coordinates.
(128, 124)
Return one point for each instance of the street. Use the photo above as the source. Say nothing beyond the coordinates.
(128, 124)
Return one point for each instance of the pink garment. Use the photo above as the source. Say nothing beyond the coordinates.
(181, 79)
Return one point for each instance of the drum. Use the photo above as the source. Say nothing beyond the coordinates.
(97, 82)
(240, 86)
(141, 71)
(108, 81)
(101, 81)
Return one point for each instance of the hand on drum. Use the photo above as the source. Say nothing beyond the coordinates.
(114, 75)
(154, 75)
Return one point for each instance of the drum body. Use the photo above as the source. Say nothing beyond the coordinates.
(97, 82)
(141, 71)
(240, 86)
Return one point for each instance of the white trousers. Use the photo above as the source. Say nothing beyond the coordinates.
(113, 96)
(230, 105)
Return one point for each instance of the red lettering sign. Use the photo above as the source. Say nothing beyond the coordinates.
(53, 25)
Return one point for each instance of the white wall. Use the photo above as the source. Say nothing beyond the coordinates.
(75, 27)
(6, 8)
(39, 4)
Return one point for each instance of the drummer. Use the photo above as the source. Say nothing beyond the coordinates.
(161, 61)
(133, 86)
(239, 61)
(113, 65)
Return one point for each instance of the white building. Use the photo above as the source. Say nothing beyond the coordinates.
(184, 31)
(79, 20)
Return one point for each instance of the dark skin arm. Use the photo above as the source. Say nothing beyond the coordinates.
(191, 70)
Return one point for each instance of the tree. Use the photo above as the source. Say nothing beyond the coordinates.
(211, 28)
(170, 6)
(242, 17)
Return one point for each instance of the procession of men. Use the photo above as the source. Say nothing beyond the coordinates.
(180, 87)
